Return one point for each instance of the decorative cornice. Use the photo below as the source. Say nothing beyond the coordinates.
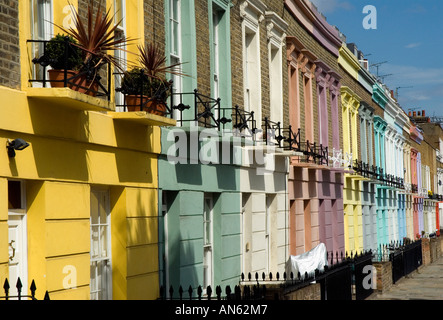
(348, 61)
(322, 73)
(402, 119)
(366, 111)
(379, 124)
(379, 96)
(415, 134)
(256, 7)
(349, 99)
(276, 28)
(300, 57)
(306, 13)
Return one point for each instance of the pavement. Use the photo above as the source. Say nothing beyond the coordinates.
(425, 283)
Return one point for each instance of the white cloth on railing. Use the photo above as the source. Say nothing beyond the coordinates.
(309, 261)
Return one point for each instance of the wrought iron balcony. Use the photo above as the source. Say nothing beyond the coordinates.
(243, 121)
(272, 133)
(206, 113)
(316, 153)
(91, 77)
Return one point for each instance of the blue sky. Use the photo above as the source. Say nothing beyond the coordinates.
(407, 44)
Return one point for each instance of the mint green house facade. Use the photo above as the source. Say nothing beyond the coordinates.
(199, 199)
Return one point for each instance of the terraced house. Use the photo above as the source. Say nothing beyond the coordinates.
(79, 203)
(261, 135)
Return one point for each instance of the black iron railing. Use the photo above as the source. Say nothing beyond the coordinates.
(316, 153)
(91, 77)
(19, 287)
(376, 173)
(336, 280)
(272, 133)
(405, 258)
(207, 110)
(243, 121)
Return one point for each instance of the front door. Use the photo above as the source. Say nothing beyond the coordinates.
(17, 253)
(17, 239)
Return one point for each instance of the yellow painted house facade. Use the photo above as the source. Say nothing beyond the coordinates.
(350, 102)
(78, 206)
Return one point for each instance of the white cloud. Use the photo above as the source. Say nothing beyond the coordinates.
(329, 6)
(421, 87)
(414, 74)
(413, 45)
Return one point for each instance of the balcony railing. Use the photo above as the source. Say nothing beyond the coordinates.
(316, 153)
(91, 78)
(206, 111)
(376, 173)
(244, 121)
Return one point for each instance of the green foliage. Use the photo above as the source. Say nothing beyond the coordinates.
(137, 81)
(58, 47)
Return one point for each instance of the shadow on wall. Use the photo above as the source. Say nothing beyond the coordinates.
(180, 265)
(55, 158)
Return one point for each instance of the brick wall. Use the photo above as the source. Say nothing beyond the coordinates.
(237, 60)
(365, 96)
(237, 63)
(203, 48)
(435, 249)
(296, 29)
(154, 21)
(384, 276)
(426, 251)
(310, 292)
(9, 44)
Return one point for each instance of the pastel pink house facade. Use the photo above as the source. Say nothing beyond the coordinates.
(315, 188)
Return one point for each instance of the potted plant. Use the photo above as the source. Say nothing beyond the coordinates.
(146, 87)
(95, 37)
(62, 56)
(144, 93)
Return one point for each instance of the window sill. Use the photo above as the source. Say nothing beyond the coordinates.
(67, 98)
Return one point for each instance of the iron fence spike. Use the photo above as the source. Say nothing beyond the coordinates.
(6, 284)
(190, 292)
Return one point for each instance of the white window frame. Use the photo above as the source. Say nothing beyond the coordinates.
(120, 54)
(41, 28)
(252, 13)
(216, 51)
(105, 278)
(276, 28)
(175, 48)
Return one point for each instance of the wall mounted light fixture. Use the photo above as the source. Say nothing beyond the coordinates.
(17, 144)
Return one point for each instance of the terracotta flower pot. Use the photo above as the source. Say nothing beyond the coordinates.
(83, 85)
(56, 77)
(80, 83)
(156, 107)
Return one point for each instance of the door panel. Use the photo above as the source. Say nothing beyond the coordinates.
(17, 253)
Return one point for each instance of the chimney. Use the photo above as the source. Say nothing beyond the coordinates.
(414, 114)
(410, 114)
(423, 113)
(392, 94)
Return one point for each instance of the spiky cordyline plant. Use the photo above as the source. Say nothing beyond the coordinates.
(96, 37)
(153, 60)
(153, 63)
